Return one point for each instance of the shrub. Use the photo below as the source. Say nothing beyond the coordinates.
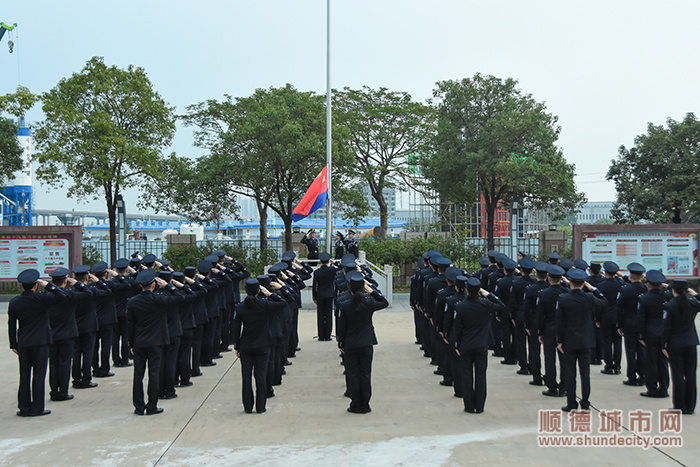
(398, 252)
(254, 259)
(91, 255)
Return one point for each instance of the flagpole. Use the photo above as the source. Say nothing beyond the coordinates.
(329, 203)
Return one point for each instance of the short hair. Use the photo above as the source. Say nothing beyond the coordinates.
(28, 287)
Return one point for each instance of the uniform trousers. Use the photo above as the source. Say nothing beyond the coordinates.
(208, 337)
(103, 346)
(473, 373)
(225, 329)
(168, 366)
(535, 360)
(520, 343)
(507, 346)
(324, 318)
(184, 356)
(32, 378)
(254, 363)
(550, 363)
(82, 358)
(684, 362)
(294, 334)
(151, 356)
(197, 348)
(583, 357)
(120, 343)
(60, 357)
(634, 350)
(657, 379)
(358, 368)
(612, 346)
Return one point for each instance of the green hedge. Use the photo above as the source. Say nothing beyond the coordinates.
(254, 259)
(398, 252)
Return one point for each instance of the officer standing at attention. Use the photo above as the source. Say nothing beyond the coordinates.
(309, 239)
(356, 339)
(607, 319)
(547, 331)
(351, 245)
(31, 341)
(505, 319)
(64, 330)
(594, 279)
(323, 292)
(530, 316)
(120, 341)
(651, 323)
(148, 333)
(628, 324)
(517, 306)
(575, 313)
(86, 316)
(680, 345)
(470, 340)
(339, 246)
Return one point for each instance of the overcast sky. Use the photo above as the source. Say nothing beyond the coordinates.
(606, 68)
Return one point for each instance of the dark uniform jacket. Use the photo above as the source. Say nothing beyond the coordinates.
(532, 292)
(679, 328)
(441, 306)
(172, 310)
(147, 318)
(517, 297)
(62, 316)
(85, 313)
(610, 288)
(199, 306)
(251, 324)
(471, 321)
(354, 324)
(104, 303)
(324, 282)
(547, 309)
(122, 288)
(627, 307)
(31, 310)
(651, 313)
(435, 284)
(502, 291)
(575, 314)
(211, 299)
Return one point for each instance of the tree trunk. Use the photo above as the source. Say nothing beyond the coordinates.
(676, 215)
(287, 232)
(111, 213)
(383, 215)
(262, 212)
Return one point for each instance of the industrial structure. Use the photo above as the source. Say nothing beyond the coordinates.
(16, 198)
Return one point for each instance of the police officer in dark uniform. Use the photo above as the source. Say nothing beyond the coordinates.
(356, 339)
(120, 341)
(64, 330)
(339, 248)
(168, 364)
(517, 311)
(448, 327)
(201, 318)
(470, 340)
(505, 319)
(148, 333)
(594, 278)
(442, 344)
(416, 294)
(106, 321)
(531, 327)
(208, 352)
(299, 273)
(651, 313)
(323, 293)
(607, 319)
(309, 239)
(86, 316)
(628, 324)
(433, 286)
(547, 331)
(574, 313)
(351, 245)
(680, 343)
(31, 341)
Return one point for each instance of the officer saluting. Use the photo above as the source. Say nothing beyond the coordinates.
(31, 341)
(339, 246)
(309, 239)
(351, 245)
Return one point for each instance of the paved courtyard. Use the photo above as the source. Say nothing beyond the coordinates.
(414, 420)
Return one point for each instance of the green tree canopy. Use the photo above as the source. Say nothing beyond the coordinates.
(656, 179)
(492, 140)
(385, 128)
(104, 130)
(270, 145)
(15, 105)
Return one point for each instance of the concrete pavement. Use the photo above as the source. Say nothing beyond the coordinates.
(414, 420)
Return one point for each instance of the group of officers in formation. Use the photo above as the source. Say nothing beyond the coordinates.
(575, 314)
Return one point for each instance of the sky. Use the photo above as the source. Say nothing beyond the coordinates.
(605, 68)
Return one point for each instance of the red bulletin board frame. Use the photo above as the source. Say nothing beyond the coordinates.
(581, 232)
(72, 233)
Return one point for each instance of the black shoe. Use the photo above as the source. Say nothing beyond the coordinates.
(39, 414)
(184, 385)
(585, 406)
(434, 362)
(417, 343)
(87, 385)
(291, 356)
(297, 349)
(103, 374)
(608, 371)
(507, 362)
(261, 411)
(445, 383)
(351, 410)
(248, 410)
(284, 372)
(497, 354)
(225, 349)
(270, 394)
(569, 408)
(523, 371)
(551, 393)
(596, 362)
(426, 355)
(218, 356)
(469, 410)
(640, 382)
(366, 409)
(287, 363)
(208, 364)
(648, 394)
(195, 374)
(536, 383)
(138, 411)
(122, 364)
(22, 414)
(437, 372)
(630, 382)
(661, 394)
(67, 397)
(345, 394)
(155, 411)
(169, 396)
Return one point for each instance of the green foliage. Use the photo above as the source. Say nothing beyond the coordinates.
(398, 252)
(656, 179)
(10, 150)
(104, 130)
(254, 259)
(18, 103)
(385, 129)
(91, 255)
(492, 140)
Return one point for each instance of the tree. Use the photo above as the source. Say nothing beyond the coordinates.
(495, 142)
(16, 105)
(272, 145)
(656, 179)
(105, 129)
(386, 128)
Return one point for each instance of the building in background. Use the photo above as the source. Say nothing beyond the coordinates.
(595, 212)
